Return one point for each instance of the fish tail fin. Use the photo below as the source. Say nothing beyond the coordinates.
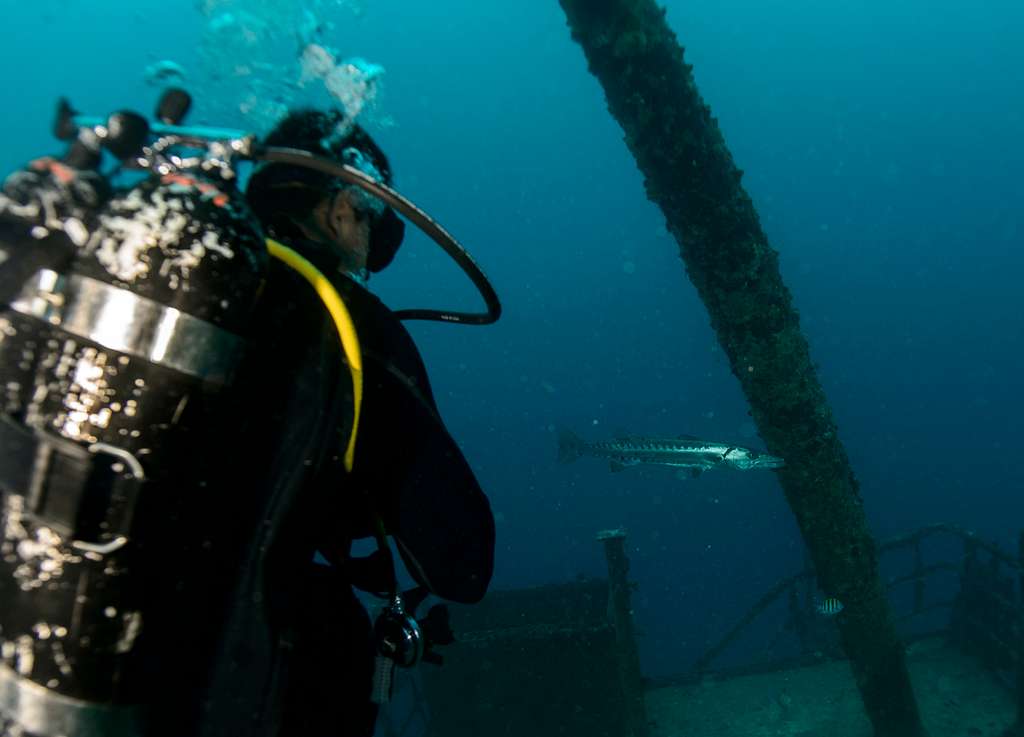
(570, 446)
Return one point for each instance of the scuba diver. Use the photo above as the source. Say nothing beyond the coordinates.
(409, 474)
(204, 405)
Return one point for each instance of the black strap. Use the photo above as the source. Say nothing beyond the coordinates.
(82, 495)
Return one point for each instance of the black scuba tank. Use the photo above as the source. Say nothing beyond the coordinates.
(116, 375)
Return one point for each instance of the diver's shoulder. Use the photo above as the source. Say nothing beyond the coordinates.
(368, 310)
(361, 301)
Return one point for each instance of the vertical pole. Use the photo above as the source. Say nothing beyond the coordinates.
(968, 574)
(1020, 634)
(798, 619)
(622, 618)
(690, 174)
(810, 587)
(961, 628)
(919, 580)
(970, 554)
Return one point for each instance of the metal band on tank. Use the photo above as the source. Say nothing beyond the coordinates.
(123, 321)
(39, 710)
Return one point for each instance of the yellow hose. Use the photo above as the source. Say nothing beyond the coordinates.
(342, 321)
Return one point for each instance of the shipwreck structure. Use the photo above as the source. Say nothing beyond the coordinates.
(561, 660)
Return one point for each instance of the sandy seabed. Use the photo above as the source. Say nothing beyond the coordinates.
(957, 698)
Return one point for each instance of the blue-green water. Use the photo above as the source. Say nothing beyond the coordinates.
(882, 147)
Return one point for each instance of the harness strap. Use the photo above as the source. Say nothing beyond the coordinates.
(87, 496)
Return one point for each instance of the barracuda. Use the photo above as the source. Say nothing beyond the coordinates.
(681, 452)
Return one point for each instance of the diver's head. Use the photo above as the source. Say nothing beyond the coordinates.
(296, 203)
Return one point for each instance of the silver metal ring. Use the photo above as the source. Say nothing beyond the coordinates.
(39, 710)
(123, 321)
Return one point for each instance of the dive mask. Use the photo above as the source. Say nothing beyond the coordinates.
(386, 235)
(387, 230)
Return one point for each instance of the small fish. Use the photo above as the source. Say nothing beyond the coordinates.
(685, 451)
(830, 607)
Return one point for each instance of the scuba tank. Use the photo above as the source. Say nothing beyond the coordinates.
(168, 392)
(118, 358)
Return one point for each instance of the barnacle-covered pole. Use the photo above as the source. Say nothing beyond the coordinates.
(689, 173)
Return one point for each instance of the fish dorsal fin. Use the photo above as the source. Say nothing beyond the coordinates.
(616, 466)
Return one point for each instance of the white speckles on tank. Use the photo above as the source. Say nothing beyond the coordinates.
(12, 396)
(211, 241)
(76, 231)
(24, 657)
(6, 329)
(87, 399)
(125, 239)
(122, 250)
(59, 658)
(42, 557)
(14, 530)
(131, 625)
(177, 267)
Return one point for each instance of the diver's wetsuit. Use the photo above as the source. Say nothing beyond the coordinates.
(409, 472)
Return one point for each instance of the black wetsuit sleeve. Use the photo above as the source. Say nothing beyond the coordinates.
(442, 521)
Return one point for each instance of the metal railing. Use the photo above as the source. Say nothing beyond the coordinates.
(986, 614)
